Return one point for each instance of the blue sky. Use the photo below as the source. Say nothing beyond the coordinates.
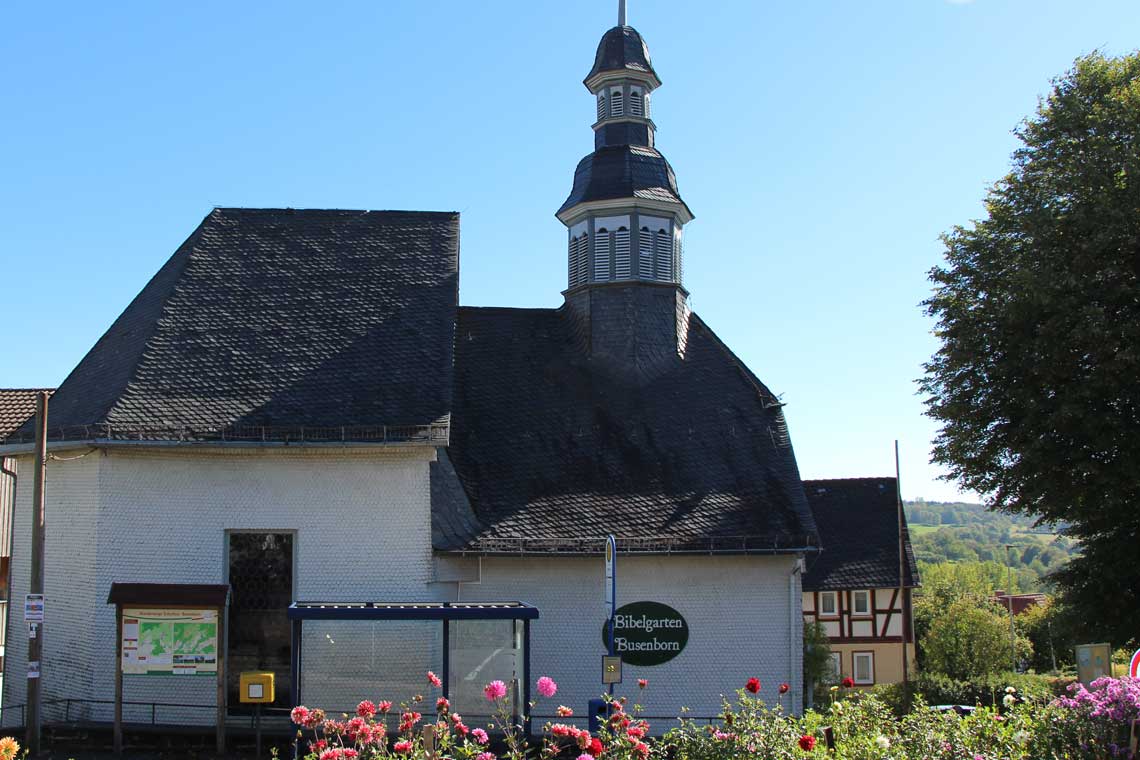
(822, 146)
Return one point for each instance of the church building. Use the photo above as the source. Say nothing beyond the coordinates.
(296, 406)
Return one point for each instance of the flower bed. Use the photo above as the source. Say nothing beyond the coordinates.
(1085, 723)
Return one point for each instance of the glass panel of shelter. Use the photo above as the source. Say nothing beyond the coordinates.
(482, 651)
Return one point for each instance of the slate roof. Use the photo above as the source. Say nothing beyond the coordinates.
(280, 323)
(17, 405)
(623, 171)
(858, 526)
(622, 49)
(555, 449)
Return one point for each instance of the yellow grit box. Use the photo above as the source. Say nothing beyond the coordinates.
(256, 688)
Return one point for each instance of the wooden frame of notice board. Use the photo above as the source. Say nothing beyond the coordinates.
(197, 611)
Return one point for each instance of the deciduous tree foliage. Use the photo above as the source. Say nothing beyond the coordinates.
(971, 640)
(1037, 381)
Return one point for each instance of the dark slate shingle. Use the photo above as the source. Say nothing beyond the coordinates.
(858, 527)
(281, 318)
(554, 447)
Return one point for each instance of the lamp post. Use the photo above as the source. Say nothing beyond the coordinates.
(1009, 600)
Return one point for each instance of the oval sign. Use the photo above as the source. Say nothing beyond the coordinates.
(647, 633)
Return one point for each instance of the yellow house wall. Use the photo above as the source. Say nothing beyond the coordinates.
(888, 660)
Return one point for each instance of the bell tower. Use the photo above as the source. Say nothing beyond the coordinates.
(624, 215)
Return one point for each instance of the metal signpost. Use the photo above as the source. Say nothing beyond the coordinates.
(611, 597)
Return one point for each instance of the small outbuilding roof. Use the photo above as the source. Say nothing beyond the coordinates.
(858, 528)
(17, 406)
(274, 324)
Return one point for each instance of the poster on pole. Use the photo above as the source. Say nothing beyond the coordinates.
(157, 641)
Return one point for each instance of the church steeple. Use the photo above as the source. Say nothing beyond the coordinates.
(624, 213)
(624, 218)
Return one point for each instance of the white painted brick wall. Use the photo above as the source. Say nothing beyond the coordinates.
(363, 533)
(740, 612)
(363, 525)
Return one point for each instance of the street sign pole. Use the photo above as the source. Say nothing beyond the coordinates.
(611, 590)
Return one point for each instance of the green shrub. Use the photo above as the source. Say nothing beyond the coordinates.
(986, 690)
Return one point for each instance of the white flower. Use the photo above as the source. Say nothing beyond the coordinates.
(882, 741)
(1009, 700)
(1010, 690)
(1021, 737)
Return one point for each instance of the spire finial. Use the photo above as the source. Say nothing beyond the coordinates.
(621, 12)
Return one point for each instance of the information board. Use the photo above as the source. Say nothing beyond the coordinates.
(159, 641)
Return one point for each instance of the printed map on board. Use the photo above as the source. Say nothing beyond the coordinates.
(170, 641)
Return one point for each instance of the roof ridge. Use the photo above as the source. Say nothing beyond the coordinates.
(864, 479)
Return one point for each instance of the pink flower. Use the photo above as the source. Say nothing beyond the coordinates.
(384, 706)
(480, 735)
(564, 711)
(585, 756)
(403, 747)
(366, 709)
(642, 683)
(485, 756)
(433, 679)
(442, 705)
(299, 715)
(642, 749)
(547, 687)
(495, 690)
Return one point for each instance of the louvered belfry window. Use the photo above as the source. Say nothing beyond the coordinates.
(663, 250)
(578, 260)
(635, 106)
(678, 257)
(601, 106)
(621, 254)
(616, 104)
(601, 254)
(645, 254)
(583, 259)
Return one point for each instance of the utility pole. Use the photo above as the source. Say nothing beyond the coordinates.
(36, 629)
(1009, 599)
(902, 564)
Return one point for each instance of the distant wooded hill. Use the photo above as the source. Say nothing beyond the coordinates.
(963, 532)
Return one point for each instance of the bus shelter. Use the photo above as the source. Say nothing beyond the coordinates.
(467, 644)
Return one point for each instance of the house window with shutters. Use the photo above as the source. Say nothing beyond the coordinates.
(635, 104)
(601, 106)
(622, 269)
(601, 254)
(617, 107)
(645, 254)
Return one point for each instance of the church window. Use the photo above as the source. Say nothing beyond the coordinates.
(645, 254)
(616, 105)
(621, 254)
(602, 255)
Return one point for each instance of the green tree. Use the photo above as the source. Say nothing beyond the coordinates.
(1038, 312)
(969, 640)
(818, 669)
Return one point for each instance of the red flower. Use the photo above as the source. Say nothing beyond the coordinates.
(642, 683)
(807, 743)
(384, 706)
(406, 746)
(784, 688)
(595, 747)
(848, 682)
(753, 685)
(366, 709)
(642, 749)
(442, 705)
